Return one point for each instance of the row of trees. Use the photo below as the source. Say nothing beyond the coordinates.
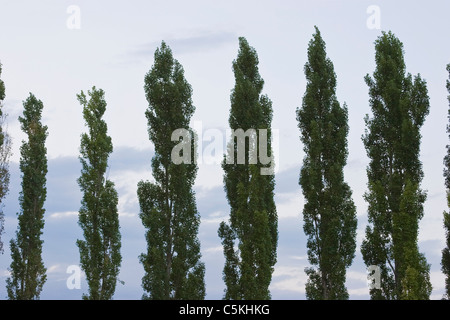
(172, 262)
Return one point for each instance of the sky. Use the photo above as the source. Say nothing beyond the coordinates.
(55, 49)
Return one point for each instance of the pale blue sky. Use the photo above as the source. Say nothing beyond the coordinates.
(113, 50)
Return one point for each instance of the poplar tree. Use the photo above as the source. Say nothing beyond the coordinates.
(5, 152)
(100, 256)
(2, 97)
(329, 213)
(27, 268)
(399, 107)
(445, 262)
(173, 269)
(253, 223)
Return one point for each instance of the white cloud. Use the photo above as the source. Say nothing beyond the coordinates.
(437, 279)
(61, 215)
(127, 214)
(213, 250)
(5, 273)
(214, 219)
(281, 271)
(292, 279)
(56, 268)
(289, 205)
(358, 292)
(209, 176)
(196, 40)
(301, 258)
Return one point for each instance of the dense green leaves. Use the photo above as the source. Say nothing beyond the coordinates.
(253, 219)
(2, 86)
(27, 268)
(445, 262)
(172, 265)
(172, 262)
(329, 213)
(399, 106)
(2, 217)
(5, 152)
(100, 256)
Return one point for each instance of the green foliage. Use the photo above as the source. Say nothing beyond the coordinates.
(5, 152)
(100, 256)
(2, 86)
(253, 219)
(445, 262)
(172, 265)
(329, 213)
(399, 105)
(27, 268)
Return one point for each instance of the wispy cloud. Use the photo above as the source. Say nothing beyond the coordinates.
(60, 215)
(56, 268)
(289, 278)
(199, 41)
(213, 250)
(190, 44)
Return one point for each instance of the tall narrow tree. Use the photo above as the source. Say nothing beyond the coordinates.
(27, 268)
(2, 97)
(253, 219)
(329, 213)
(173, 269)
(5, 152)
(445, 262)
(100, 256)
(395, 200)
